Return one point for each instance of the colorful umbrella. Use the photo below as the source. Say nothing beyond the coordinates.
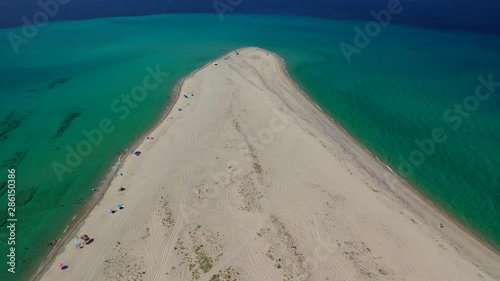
(60, 265)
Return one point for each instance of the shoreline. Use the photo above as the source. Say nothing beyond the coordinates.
(410, 191)
(411, 187)
(75, 224)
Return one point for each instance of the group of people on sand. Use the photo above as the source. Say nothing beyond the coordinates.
(85, 240)
(80, 243)
(118, 206)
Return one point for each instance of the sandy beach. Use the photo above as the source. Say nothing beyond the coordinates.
(246, 179)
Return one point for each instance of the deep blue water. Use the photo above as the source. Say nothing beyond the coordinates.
(477, 15)
(420, 72)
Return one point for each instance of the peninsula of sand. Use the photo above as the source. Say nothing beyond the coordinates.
(246, 179)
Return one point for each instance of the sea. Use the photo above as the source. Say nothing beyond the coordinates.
(415, 82)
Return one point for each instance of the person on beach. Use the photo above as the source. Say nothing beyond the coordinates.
(78, 243)
(85, 238)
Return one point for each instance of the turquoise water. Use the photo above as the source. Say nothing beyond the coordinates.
(70, 76)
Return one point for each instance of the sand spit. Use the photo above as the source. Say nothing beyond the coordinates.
(246, 179)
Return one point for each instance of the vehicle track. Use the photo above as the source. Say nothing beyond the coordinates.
(252, 229)
(188, 177)
(121, 227)
(318, 237)
(179, 221)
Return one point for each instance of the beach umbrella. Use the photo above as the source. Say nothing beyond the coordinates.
(60, 265)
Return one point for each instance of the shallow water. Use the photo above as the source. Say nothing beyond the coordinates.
(73, 76)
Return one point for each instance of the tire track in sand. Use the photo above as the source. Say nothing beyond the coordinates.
(121, 228)
(240, 243)
(188, 176)
(179, 221)
(318, 237)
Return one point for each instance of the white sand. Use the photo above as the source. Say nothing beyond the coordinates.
(251, 182)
